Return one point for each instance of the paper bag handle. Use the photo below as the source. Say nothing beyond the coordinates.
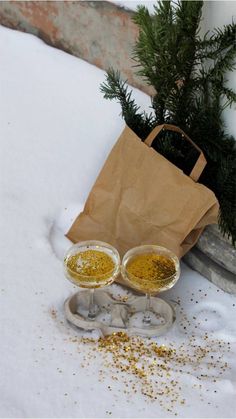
(201, 161)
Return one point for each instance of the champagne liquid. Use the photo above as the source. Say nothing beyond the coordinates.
(90, 268)
(151, 273)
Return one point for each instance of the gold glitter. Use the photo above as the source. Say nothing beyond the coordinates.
(90, 263)
(145, 367)
(121, 298)
(53, 313)
(94, 265)
(150, 272)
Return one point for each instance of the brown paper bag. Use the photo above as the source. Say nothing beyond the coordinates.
(140, 197)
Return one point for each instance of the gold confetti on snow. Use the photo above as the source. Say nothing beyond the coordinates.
(143, 366)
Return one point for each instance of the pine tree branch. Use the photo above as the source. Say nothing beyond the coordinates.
(116, 88)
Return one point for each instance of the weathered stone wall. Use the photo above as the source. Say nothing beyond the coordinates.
(97, 31)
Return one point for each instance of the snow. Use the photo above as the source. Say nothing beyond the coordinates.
(56, 131)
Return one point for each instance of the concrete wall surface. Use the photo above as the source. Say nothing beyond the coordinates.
(218, 14)
(99, 32)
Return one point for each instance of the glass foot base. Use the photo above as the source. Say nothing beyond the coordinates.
(92, 316)
(114, 316)
(147, 319)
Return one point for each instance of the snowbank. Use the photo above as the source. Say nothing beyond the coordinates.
(56, 131)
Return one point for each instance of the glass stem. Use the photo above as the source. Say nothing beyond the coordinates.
(147, 314)
(92, 308)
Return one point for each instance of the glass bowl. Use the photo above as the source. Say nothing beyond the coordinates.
(92, 264)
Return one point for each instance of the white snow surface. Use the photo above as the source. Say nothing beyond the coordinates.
(56, 131)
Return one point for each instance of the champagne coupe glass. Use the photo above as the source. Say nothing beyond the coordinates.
(150, 269)
(92, 264)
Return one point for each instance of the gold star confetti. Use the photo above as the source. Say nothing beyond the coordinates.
(153, 370)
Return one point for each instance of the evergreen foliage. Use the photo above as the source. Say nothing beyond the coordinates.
(188, 75)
